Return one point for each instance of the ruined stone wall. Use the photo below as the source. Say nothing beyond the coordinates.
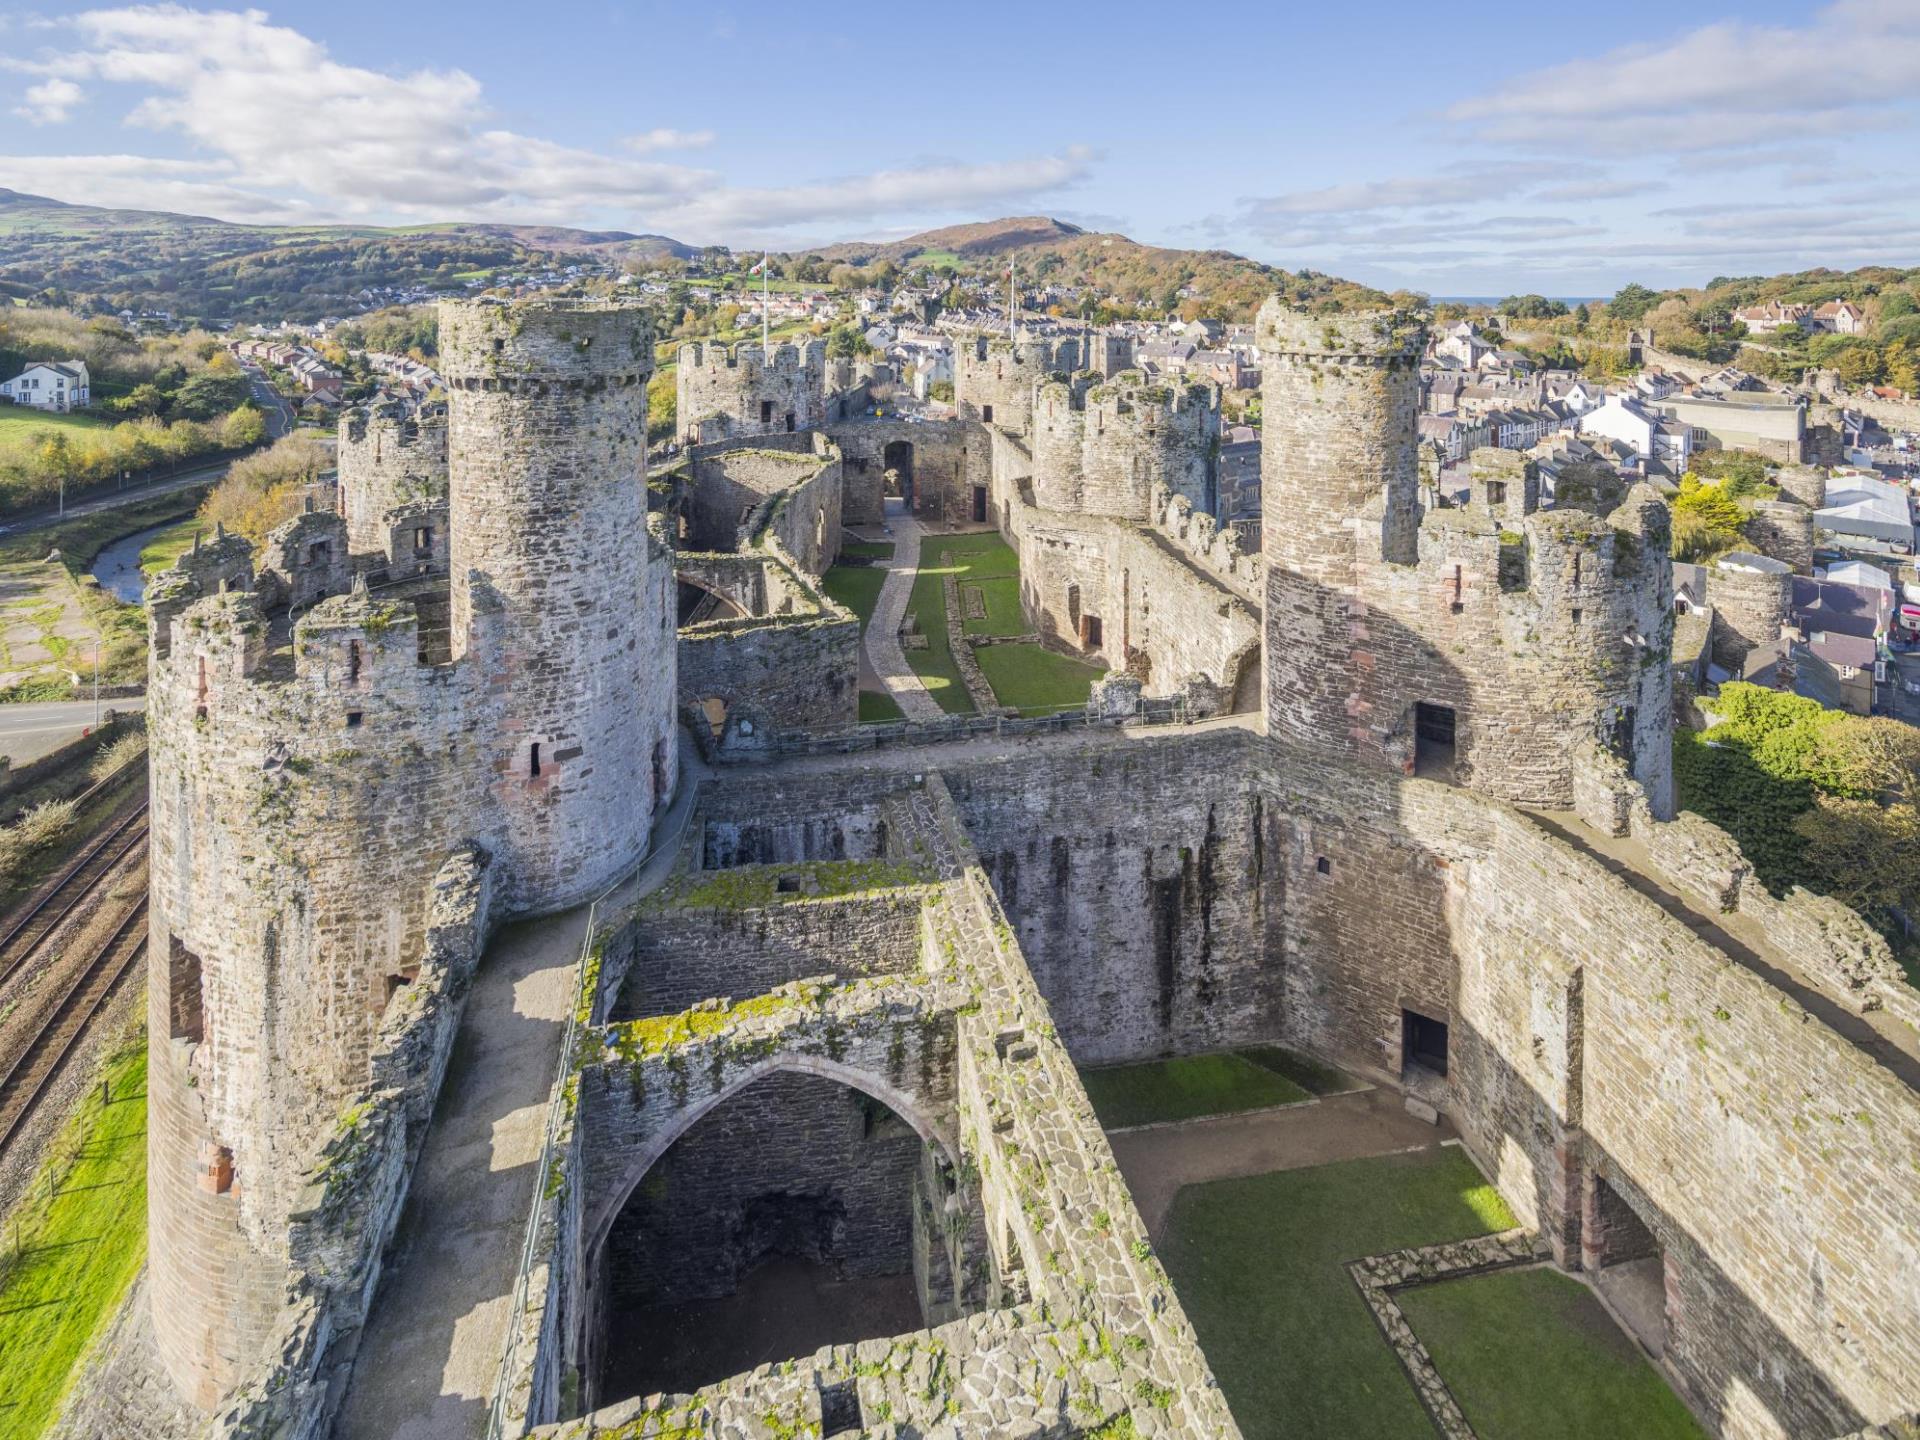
(672, 957)
(389, 457)
(1152, 926)
(1105, 447)
(793, 1165)
(778, 674)
(729, 392)
(950, 458)
(547, 420)
(730, 487)
(1537, 632)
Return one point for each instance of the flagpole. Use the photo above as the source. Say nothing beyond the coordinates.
(766, 269)
(1009, 297)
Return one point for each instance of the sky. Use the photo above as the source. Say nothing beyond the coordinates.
(1465, 150)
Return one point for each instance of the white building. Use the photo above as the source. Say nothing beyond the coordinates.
(59, 385)
(1662, 443)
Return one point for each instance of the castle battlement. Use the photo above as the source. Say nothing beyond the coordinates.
(752, 358)
(727, 392)
(573, 344)
(1213, 547)
(390, 457)
(1354, 337)
(1102, 447)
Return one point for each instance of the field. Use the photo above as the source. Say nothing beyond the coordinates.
(170, 544)
(1035, 681)
(21, 428)
(855, 586)
(1184, 1089)
(1260, 1265)
(79, 1249)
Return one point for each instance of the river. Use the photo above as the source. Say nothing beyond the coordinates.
(117, 566)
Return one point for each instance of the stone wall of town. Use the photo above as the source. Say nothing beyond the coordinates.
(390, 457)
(1537, 631)
(730, 392)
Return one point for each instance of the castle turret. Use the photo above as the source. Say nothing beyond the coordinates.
(1480, 644)
(548, 422)
(724, 392)
(1752, 600)
(1102, 447)
(390, 458)
(994, 378)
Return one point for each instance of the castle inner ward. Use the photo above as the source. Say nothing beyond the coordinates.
(543, 953)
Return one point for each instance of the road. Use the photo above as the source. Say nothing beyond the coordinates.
(33, 729)
(42, 520)
(279, 413)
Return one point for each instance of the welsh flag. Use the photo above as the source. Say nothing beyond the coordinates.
(761, 268)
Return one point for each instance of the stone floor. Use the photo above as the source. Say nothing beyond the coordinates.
(429, 1360)
(1158, 1161)
(1637, 1292)
(784, 1309)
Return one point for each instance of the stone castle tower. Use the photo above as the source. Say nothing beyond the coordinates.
(727, 392)
(994, 378)
(1489, 641)
(312, 773)
(1102, 447)
(393, 472)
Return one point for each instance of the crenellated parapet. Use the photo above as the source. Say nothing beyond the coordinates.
(1207, 544)
(389, 456)
(726, 392)
(994, 378)
(305, 560)
(1102, 446)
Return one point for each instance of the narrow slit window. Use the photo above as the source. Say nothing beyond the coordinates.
(533, 760)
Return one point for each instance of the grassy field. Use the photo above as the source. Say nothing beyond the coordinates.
(1260, 1265)
(935, 664)
(876, 707)
(1035, 680)
(22, 427)
(1311, 1075)
(1001, 596)
(855, 586)
(869, 549)
(1531, 1352)
(80, 1250)
(1184, 1089)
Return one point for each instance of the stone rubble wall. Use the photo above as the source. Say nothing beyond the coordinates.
(998, 375)
(353, 1191)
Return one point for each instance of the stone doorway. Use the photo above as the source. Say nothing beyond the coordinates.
(1628, 1267)
(897, 461)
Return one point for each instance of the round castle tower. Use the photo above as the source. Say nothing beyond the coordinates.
(723, 392)
(389, 459)
(1481, 644)
(547, 414)
(994, 378)
(1752, 600)
(309, 780)
(1101, 447)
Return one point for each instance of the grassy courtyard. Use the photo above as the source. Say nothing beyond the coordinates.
(1531, 1352)
(855, 586)
(1185, 1089)
(1260, 1265)
(80, 1250)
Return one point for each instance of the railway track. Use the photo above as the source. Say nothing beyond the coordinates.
(31, 1071)
(23, 939)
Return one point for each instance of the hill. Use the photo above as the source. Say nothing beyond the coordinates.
(1193, 282)
(206, 269)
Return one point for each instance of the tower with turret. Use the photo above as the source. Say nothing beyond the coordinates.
(317, 757)
(1481, 644)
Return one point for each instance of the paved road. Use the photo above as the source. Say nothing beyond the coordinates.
(29, 731)
(882, 641)
(279, 413)
(130, 496)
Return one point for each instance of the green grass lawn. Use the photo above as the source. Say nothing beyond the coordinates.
(935, 665)
(1310, 1074)
(877, 706)
(1035, 680)
(1531, 1352)
(978, 555)
(1004, 615)
(1260, 1265)
(22, 427)
(855, 586)
(869, 549)
(1184, 1089)
(82, 1250)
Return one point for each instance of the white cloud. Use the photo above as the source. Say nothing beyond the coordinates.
(361, 143)
(1725, 85)
(50, 102)
(665, 139)
(1454, 185)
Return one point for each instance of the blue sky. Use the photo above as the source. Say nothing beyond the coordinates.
(1461, 150)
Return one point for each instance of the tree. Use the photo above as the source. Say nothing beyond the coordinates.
(209, 394)
(266, 489)
(662, 403)
(1903, 367)
(1630, 303)
(1859, 365)
(243, 428)
(1582, 317)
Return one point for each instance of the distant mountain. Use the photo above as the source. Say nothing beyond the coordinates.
(198, 267)
(1213, 282)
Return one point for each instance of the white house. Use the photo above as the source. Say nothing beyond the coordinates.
(59, 385)
(1662, 442)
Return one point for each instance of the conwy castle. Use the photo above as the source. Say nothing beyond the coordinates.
(538, 942)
